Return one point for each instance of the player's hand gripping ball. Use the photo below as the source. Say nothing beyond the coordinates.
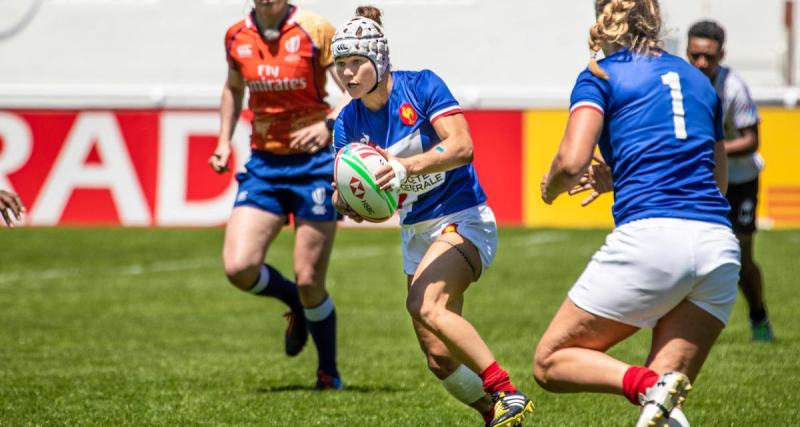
(354, 174)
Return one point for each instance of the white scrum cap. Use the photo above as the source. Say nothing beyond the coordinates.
(363, 37)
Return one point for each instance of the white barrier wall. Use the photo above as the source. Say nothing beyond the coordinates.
(493, 53)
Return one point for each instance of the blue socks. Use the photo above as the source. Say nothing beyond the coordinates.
(321, 321)
(271, 283)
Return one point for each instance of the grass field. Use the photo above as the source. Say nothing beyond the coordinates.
(135, 327)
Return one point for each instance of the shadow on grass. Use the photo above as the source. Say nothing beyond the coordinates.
(347, 389)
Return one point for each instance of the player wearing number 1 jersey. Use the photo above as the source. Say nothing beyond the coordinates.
(672, 262)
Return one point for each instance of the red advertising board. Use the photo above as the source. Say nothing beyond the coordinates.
(148, 167)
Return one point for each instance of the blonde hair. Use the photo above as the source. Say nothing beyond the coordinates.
(635, 24)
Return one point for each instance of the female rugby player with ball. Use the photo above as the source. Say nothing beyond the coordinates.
(672, 263)
(449, 233)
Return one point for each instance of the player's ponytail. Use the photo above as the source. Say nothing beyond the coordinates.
(634, 24)
(370, 12)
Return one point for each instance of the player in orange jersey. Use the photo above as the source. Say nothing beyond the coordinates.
(282, 55)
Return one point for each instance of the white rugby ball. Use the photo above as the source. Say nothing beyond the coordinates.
(354, 174)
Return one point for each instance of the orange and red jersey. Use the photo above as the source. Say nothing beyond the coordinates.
(286, 76)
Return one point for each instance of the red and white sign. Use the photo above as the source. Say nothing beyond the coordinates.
(136, 168)
(149, 167)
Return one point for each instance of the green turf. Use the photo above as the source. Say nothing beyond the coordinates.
(134, 327)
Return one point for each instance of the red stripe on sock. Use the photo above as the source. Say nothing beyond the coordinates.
(496, 379)
(637, 380)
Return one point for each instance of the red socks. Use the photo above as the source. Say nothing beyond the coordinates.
(636, 381)
(496, 379)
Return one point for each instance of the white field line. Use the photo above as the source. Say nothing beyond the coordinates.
(535, 239)
(124, 270)
(368, 251)
(166, 266)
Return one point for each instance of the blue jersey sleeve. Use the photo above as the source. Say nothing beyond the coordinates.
(340, 131)
(590, 91)
(435, 97)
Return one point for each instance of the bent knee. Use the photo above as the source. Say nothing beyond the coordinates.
(307, 276)
(241, 273)
(542, 367)
(424, 312)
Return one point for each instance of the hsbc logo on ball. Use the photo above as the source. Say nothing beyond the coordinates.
(357, 188)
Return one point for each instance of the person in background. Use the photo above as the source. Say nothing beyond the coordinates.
(282, 55)
(706, 50)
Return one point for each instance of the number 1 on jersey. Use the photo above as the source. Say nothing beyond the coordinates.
(673, 80)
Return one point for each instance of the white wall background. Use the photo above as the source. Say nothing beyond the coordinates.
(493, 53)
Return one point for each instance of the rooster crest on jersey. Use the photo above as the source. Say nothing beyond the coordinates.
(363, 37)
(407, 115)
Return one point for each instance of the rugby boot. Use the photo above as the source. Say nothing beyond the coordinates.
(326, 381)
(510, 409)
(659, 400)
(296, 334)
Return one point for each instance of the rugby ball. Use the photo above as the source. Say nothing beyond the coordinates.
(354, 174)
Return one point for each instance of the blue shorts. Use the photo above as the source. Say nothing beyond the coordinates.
(307, 198)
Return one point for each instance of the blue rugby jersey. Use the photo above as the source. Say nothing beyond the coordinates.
(404, 127)
(661, 120)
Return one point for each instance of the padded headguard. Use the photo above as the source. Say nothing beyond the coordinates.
(363, 37)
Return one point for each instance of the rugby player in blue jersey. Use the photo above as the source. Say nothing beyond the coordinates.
(449, 233)
(672, 262)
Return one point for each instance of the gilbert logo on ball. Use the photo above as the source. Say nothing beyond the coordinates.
(354, 173)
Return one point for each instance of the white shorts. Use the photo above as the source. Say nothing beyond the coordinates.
(647, 267)
(476, 224)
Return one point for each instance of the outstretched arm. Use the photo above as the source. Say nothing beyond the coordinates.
(574, 154)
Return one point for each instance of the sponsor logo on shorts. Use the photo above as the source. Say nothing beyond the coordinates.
(318, 196)
(450, 228)
(746, 212)
(242, 196)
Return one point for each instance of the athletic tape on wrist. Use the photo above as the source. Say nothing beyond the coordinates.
(400, 174)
